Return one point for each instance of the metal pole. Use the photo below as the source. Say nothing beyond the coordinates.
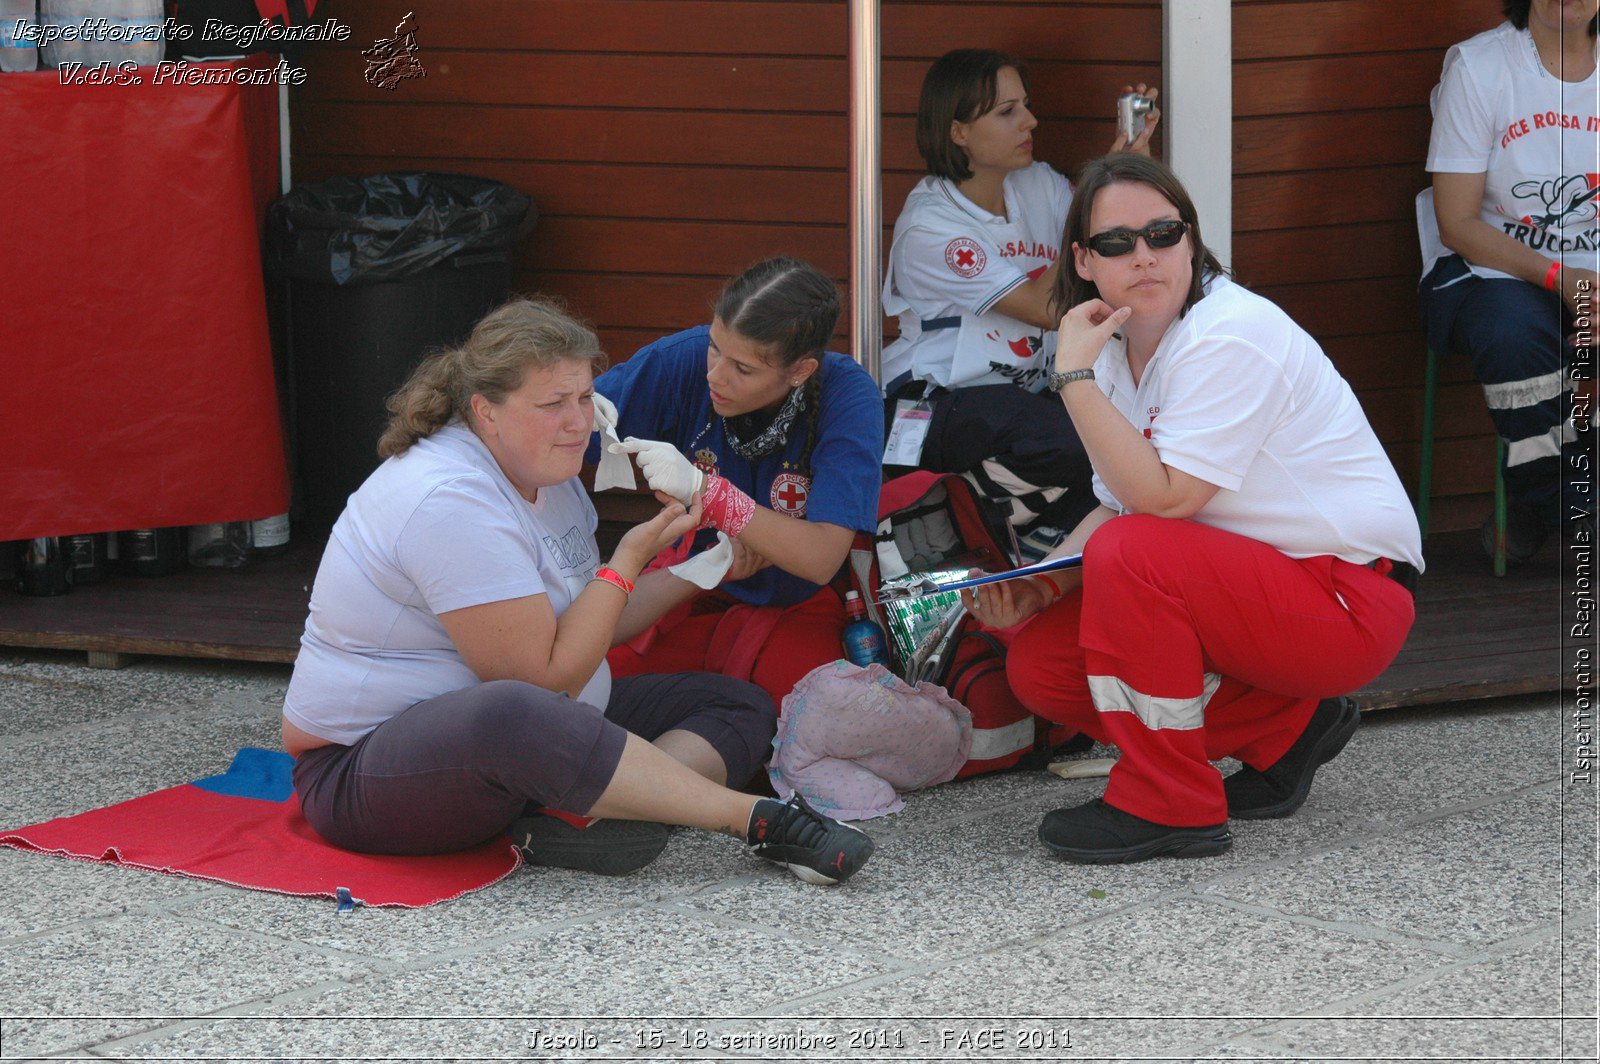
(866, 187)
(1197, 110)
(285, 178)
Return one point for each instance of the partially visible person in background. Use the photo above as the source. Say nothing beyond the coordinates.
(1515, 159)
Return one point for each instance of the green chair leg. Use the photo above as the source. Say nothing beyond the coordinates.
(1499, 506)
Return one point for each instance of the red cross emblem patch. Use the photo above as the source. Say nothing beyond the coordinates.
(789, 491)
(965, 257)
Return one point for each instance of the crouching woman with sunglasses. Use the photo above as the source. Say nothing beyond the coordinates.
(1243, 568)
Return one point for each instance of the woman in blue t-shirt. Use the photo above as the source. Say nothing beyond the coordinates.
(783, 438)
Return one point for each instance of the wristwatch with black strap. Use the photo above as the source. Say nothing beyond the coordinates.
(1057, 381)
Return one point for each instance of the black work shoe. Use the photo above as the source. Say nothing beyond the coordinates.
(1283, 787)
(1526, 532)
(814, 847)
(1098, 833)
(605, 847)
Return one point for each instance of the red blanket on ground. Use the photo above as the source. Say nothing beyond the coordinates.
(245, 828)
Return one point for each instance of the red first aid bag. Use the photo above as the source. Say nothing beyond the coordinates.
(1004, 734)
(931, 521)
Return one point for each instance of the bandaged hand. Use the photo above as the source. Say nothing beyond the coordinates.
(664, 468)
(724, 507)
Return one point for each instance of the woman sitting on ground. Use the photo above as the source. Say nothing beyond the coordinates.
(974, 262)
(1244, 563)
(452, 678)
(787, 439)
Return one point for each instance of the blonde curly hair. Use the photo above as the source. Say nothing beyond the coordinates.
(520, 335)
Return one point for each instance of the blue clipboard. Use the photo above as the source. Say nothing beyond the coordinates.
(928, 587)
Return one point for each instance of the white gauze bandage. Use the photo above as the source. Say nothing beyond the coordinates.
(614, 471)
(706, 569)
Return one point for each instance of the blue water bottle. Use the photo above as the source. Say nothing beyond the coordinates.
(864, 642)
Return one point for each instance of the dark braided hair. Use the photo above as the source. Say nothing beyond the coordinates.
(788, 309)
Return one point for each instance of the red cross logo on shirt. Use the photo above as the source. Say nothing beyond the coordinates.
(789, 493)
(965, 257)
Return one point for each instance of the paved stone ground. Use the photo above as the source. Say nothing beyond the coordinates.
(1435, 899)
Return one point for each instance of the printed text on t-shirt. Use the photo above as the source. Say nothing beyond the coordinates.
(571, 550)
(1521, 127)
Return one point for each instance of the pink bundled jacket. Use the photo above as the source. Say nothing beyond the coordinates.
(852, 740)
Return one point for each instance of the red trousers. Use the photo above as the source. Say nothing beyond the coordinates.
(771, 646)
(1187, 644)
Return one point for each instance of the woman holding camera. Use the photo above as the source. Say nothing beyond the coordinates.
(971, 272)
(452, 681)
(1244, 562)
(1513, 263)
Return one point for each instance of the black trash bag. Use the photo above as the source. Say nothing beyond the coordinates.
(359, 230)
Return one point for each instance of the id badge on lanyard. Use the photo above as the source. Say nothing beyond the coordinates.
(909, 432)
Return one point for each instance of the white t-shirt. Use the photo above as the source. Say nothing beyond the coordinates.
(952, 261)
(436, 529)
(1536, 138)
(1240, 396)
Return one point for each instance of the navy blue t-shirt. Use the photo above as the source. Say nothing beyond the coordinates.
(661, 394)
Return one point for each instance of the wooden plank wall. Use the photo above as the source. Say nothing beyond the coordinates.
(670, 143)
(1331, 125)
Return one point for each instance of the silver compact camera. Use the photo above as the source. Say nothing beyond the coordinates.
(1131, 109)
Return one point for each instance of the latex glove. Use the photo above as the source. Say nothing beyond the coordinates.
(664, 468)
(614, 471)
(605, 414)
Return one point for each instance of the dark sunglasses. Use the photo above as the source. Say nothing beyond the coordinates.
(1158, 235)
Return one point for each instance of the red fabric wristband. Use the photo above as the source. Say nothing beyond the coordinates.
(1055, 588)
(615, 579)
(1550, 279)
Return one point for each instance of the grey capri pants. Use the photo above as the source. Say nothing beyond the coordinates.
(454, 771)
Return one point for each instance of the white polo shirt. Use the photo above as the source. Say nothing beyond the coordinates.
(1240, 396)
(952, 261)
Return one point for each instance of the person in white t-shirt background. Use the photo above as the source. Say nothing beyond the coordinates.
(452, 685)
(1515, 159)
(973, 263)
(1249, 561)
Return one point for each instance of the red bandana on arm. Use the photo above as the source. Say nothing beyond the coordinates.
(724, 507)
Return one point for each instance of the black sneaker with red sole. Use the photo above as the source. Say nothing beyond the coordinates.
(816, 848)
